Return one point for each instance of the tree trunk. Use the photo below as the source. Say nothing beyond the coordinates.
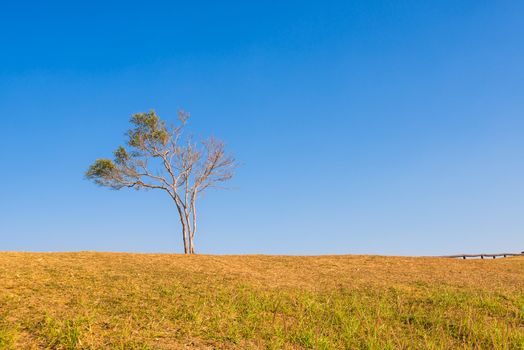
(185, 228)
(194, 228)
(192, 249)
(188, 231)
(189, 243)
(184, 237)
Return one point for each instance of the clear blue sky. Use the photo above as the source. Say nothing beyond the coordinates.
(375, 127)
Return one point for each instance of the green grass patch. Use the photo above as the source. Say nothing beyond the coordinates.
(106, 301)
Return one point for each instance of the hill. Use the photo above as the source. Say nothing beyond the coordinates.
(155, 301)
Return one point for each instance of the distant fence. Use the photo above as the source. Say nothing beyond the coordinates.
(483, 256)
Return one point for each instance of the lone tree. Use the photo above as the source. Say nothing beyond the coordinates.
(165, 158)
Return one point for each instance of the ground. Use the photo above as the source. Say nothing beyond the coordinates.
(145, 301)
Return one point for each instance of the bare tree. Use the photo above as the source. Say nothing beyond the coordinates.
(165, 158)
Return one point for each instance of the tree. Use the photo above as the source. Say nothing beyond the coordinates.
(165, 158)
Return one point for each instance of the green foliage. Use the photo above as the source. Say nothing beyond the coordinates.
(121, 156)
(102, 168)
(103, 172)
(147, 136)
(148, 130)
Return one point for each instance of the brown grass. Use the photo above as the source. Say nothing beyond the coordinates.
(152, 301)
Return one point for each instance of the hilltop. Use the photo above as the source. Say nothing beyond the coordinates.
(161, 301)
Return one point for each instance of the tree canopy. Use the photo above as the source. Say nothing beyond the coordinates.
(164, 157)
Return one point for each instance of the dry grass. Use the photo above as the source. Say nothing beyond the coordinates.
(133, 301)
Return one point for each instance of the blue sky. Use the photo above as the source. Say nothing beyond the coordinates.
(371, 127)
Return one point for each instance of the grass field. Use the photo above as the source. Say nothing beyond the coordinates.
(134, 301)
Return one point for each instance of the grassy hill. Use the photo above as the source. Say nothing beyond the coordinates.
(134, 301)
